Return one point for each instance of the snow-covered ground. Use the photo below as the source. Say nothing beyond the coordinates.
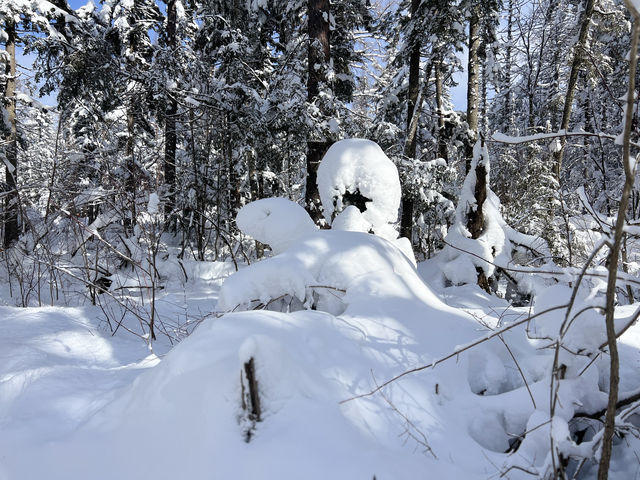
(78, 403)
(310, 333)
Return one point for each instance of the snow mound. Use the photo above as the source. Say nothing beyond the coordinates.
(327, 270)
(357, 171)
(278, 222)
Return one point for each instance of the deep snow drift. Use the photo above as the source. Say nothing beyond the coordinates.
(330, 316)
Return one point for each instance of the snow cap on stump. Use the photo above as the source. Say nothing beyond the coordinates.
(359, 167)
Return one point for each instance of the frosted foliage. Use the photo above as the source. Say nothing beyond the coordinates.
(278, 222)
(360, 166)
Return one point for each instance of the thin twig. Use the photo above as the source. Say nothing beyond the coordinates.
(455, 353)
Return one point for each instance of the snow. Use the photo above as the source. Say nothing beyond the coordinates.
(329, 317)
(152, 205)
(358, 165)
(350, 220)
(78, 403)
(278, 222)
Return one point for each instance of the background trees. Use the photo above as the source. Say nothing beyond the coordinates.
(211, 104)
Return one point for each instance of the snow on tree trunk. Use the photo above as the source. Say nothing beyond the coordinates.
(475, 215)
(319, 58)
(12, 205)
(480, 240)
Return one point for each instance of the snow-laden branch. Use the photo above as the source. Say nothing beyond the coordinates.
(518, 140)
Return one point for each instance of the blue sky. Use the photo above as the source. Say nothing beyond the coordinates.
(77, 3)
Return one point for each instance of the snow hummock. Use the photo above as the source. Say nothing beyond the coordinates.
(350, 220)
(278, 222)
(360, 166)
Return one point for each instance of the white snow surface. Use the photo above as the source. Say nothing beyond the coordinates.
(278, 222)
(78, 403)
(350, 220)
(359, 165)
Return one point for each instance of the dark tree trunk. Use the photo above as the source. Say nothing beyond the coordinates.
(473, 71)
(406, 221)
(130, 183)
(475, 218)
(12, 203)
(170, 137)
(315, 152)
(319, 57)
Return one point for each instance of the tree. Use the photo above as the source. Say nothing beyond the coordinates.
(319, 57)
(413, 113)
(481, 18)
(576, 64)
(415, 121)
(170, 113)
(11, 201)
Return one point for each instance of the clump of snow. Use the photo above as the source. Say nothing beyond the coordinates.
(358, 166)
(582, 329)
(278, 222)
(152, 205)
(351, 220)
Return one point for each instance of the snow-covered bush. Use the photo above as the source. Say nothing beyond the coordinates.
(278, 222)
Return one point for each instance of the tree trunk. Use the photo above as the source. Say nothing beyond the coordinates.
(576, 64)
(508, 101)
(442, 133)
(475, 218)
(319, 57)
(130, 182)
(12, 203)
(406, 220)
(170, 137)
(473, 78)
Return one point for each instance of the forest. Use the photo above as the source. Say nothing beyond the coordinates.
(260, 239)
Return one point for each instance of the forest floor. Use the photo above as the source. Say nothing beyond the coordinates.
(77, 402)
